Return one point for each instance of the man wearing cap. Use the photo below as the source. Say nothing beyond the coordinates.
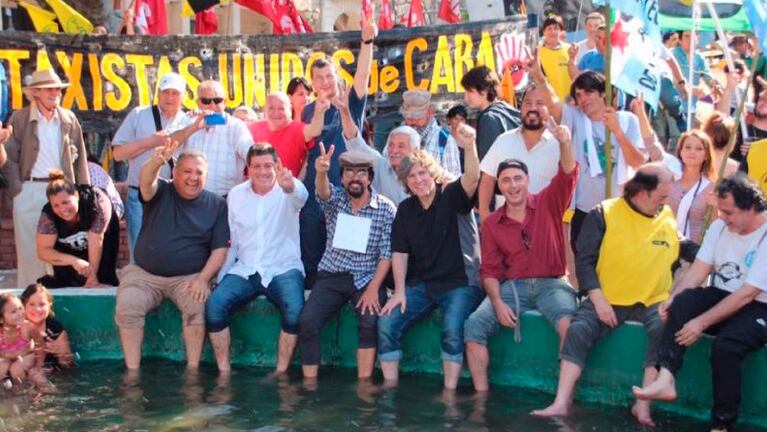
(44, 136)
(523, 255)
(356, 261)
(222, 138)
(419, 115)
(139, 134)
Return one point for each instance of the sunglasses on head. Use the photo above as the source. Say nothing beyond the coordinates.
(208, 101)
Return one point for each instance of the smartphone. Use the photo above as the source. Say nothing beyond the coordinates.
(215, 119)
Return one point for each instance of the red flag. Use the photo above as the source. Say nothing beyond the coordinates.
(206, 22)
(415, 16)
(450, 11)
(151, 17)
(386, 19)
(282, 13)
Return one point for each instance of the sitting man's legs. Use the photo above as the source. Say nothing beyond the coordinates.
(192, 316)
(286, 291)
(136, 296)
(368, 334)
(456, 304)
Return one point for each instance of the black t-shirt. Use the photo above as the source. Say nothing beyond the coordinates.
(442, 241)
(177, 235)
(53, 330)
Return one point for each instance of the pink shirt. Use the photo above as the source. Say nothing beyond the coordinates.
(288, 141)
(534, 248)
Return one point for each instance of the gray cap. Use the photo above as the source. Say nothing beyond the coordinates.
(415, 104)
(356, 159)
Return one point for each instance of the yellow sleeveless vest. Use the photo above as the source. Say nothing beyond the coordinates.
(757, 163)
(636, 255)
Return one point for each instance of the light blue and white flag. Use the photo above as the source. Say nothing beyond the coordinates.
(756, 10)
(645, 10)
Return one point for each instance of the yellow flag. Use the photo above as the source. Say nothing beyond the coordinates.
(187, 10)
(43, 20)
(71, 20)
(685, 2)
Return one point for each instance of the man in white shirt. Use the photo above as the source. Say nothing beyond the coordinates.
(265, 254)
(734, 309)
(223, 139)
(531, 143)
(138, 136)
(593, 21)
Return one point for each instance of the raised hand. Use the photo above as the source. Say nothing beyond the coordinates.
(533, 66)
(322, 164)
(573, 52)
(5, 133)
(166, 151)
(284, 178)
(368, 27)
(341, 99)
(560, 132)
(464, 135)
(638, 104)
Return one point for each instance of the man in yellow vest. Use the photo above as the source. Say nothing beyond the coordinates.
(734, 308)
(639, 229)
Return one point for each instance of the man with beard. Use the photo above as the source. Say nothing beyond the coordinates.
(523, 255)
(44, 136)
(419, 115)
(495, 116)
(530, 143)
(356, 261)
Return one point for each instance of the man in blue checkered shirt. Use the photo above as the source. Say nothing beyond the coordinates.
(356, 261)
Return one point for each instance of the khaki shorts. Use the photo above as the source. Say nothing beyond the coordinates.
(140, 292)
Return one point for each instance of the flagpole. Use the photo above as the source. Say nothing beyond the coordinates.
(608, 103)
(691, 61)
(727, 57)
(1, 15)
(728, 149)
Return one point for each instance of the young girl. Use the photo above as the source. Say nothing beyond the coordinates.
(18, 340)
(37, 301)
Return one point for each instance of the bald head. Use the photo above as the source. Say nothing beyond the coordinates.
(278, 110)
(648, 190)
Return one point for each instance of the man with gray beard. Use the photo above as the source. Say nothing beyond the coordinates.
(530, 143)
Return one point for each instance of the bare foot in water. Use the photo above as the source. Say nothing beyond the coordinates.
(553, 410)
(641, 410)
(663, 388)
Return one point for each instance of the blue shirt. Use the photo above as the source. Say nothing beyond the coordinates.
(332, 133)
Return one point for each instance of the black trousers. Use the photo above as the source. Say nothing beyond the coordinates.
(329, 294)
(743, 332)
(576, 223)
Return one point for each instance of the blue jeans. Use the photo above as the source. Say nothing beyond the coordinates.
(286, 291)
(554, 298)
(456, 305)
(134, 212)
(313, 238)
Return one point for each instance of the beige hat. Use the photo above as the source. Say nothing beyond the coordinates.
(355, 159)
(46, 78)
(415, 104)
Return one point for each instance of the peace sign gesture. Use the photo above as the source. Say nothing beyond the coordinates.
(322, 164)
(163, 153)
(284, 178)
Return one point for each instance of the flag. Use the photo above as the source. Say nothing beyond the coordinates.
(151, 17)
(645, 10)
(635, 65)
(415, 15)
(71, 21)
(201, 5)
(186, 10)
(282, 13)
(206, 22)
(263, 7)
(450, 11)
(386, 19)
(43, 20)
(756, 11)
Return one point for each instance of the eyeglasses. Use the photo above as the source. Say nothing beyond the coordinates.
(526, 239)
(208, 101)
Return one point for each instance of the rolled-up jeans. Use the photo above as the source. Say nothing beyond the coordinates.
(456, 305)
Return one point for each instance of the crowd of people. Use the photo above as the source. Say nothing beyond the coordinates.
(476, 221)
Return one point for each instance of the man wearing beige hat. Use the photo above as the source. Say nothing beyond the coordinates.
(356, 261)
(44, 136)
(419, 114)
(140, 133)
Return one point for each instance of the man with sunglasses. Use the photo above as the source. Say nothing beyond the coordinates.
(523, 256)
(222, 138)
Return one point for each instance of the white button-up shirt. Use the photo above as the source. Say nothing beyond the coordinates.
(49, 136)
(226, 148)
(264, 231)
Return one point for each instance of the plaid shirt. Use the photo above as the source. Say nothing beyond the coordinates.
(362, 266)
